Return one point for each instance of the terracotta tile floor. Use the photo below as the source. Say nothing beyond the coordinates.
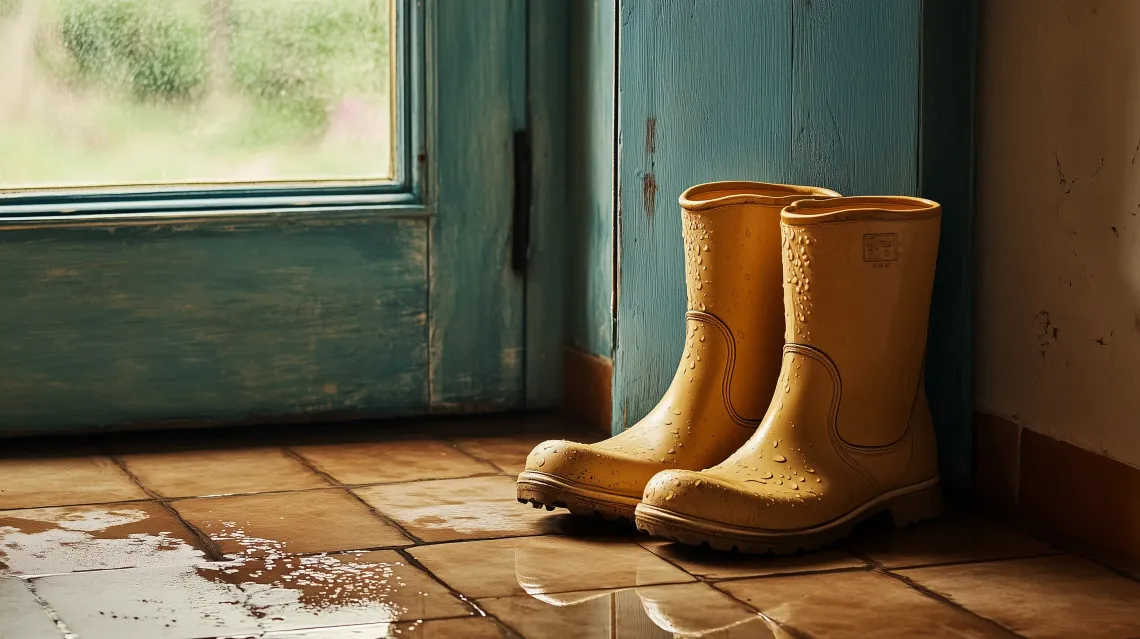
(382, 532)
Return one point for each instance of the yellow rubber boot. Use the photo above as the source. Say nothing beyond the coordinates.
(848, 431)
(733, 336)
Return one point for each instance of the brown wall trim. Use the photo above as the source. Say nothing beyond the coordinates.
(1082, 499)
(587, 393)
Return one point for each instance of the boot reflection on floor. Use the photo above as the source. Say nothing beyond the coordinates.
(693, 609)
(733, 336)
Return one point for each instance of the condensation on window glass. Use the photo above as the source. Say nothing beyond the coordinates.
(120, 92)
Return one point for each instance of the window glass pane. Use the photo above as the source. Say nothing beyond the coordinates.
(115, 92)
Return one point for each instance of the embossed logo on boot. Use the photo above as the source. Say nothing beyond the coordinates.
(881, 247)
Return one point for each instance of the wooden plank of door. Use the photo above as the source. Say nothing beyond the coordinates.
(476, 300)
(705, 94)
(221, 320)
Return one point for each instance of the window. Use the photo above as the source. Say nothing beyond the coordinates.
(130, 96)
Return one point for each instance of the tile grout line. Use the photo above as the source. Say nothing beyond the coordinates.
(878, 568)
(454, 443)
(796, 633)
(376, 513)
(821, 571)
(60, 624)
(417, 564)
(798, 573)
(155, 497)
(967, 562)
(927, 592)
(213, 552)
(700, 579)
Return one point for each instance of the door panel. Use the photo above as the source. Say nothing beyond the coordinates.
(211, 322)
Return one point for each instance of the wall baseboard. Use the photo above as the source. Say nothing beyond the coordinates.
(1081, 499)
(588, 388)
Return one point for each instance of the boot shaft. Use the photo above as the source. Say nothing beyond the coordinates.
(731, 231)
(858, 274)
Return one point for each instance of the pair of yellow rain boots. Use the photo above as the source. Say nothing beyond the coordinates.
(798, 407)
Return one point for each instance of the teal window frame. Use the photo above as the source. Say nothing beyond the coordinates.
(404, 193)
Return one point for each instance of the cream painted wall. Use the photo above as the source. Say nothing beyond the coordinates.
(1058, 221)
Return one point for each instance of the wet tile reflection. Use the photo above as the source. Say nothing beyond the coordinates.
(685, 610)
(540, 566)
(332, 590)
(712, 564)
(856, 604)
(294, 522)
(251, 595)
(447, 509)
(42, 541)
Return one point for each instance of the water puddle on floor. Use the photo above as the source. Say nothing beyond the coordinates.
(127, 570)
(42, 541)
(288, 591)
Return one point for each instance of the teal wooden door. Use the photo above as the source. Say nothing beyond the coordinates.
(262, 302)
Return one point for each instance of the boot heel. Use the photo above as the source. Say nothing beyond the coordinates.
(917, 506)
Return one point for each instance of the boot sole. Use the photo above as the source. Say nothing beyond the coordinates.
(540, 489)
(907, 505)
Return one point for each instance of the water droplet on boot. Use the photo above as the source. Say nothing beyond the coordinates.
(780, 458)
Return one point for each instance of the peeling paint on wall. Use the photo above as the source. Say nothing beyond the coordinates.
(1058, 340)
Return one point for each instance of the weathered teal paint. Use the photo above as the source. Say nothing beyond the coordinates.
(855, 95)
(247, 308)
(705, 94)
(822, 92)
(548, 66)
(589, 292)
(476, 309)
(949, 49)
(211, 322)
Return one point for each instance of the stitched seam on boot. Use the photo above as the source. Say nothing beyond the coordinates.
(887, 449)
(833, 410)
(730, 367)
